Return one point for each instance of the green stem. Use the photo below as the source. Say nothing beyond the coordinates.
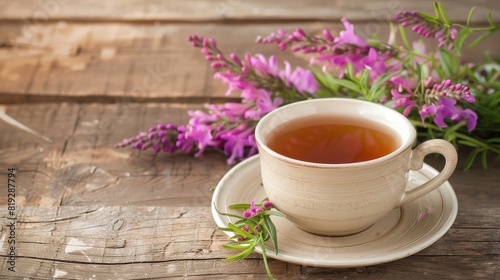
(264, 257)
(495, 76)
(458, 135)
(479, 143)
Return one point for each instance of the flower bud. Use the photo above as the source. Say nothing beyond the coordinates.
(328, 36)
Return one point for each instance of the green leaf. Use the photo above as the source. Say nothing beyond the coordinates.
(419, 72)
(330, 89)
(377, 90)
(319, 75)
(430, 18)
(274, 213)
(242, 254)
(430, 131)
(227, 214)
(271, 230)
(469, 17)
(224, 229)
(350, 71)
(484, 159)
(480, 38)
(467, 143)
(237, 245)
(437, 68)
(239, 206)
(493, 140)
(420, 77)
(462, 35)
(264, 258)
(348, 84)
(446, 62)
(364, 81)
(471, 75)
(443, 14)
(325, 93)
(240, 231)
(470, 159)
(402, 33)
(436, 9)
(492, 23)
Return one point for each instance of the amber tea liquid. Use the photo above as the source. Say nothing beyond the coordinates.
(323, 139)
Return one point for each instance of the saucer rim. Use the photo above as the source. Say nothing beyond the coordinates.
(423, 242)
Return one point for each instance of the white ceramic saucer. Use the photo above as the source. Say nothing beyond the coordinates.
(403, 232)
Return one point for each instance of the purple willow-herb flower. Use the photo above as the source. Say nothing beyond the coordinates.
(252, 211)
(235, 81)
(237, 141)
(298, 40)
(261, 65)
(159, 137)
(375, 63)
(348, 48)
(263, 103)
(195, 136)
(446, 108)
(446, 35)
(439, 101)
(247, 214)
(253, 72)
(303, 80)
(403, 100)
(449, 90)
(348, 37)
(229, 127)
(267, 204)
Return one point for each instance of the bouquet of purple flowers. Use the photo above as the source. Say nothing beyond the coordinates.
(442, 96)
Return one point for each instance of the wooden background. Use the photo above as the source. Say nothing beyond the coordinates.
(85, 74)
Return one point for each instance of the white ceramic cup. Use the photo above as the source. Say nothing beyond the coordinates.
(343, 199)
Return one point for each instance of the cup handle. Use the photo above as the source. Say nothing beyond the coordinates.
(439, 146)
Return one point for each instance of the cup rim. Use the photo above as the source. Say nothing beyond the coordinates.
(407, 143)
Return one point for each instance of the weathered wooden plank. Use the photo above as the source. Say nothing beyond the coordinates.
(227, 10)
(412, 268)
(80, 166)
(415, 268)
(84, 63)
(154, 242)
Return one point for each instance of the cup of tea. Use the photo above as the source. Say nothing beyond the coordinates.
(335, 166)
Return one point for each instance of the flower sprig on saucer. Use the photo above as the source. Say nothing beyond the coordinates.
(253, 228)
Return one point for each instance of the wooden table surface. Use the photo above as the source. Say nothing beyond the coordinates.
(75, 72)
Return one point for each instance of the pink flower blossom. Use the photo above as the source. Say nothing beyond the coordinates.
(348, 36)
(374, 62)
(303, 80)
(403, 100)
(446, 108)
(262, 65)
(267, 204)
(235, 81)
(199, 136)
(236, 141)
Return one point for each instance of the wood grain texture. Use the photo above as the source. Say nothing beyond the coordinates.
(61, 62)
(78, 192)
(228, 10)
(80, 166)
(88, 73)
(173, 242)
